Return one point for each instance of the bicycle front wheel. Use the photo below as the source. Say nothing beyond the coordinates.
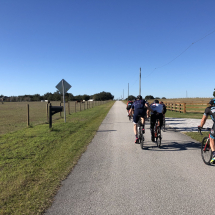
(206, 150)
(158, 140)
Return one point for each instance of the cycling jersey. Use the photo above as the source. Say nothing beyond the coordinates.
(156, 107)
(164, 108)
(211, 112)
(139, 110)
(129, 104)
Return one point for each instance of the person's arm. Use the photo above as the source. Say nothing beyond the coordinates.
(203, 120)
(148, 108)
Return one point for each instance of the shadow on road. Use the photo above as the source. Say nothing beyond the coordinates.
(173, 146)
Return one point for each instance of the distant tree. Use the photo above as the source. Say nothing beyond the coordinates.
(214, 92)
(103, 96)
(149, 97)
(157, 98)
(163, 97)
(131, 97)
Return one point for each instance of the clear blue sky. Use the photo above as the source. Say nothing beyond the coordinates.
(100, 45)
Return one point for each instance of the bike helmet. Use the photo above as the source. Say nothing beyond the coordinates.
(156, 101)
(212, 102)
(139, 97)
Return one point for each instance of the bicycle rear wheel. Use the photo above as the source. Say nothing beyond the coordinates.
(163, 126)
(206, 150)
(141, 140)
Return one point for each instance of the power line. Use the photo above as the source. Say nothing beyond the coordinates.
(182, 52)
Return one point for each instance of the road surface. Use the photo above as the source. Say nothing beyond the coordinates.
(116, 176)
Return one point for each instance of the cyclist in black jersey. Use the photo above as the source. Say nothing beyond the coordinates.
(139, 108)
(210, 111)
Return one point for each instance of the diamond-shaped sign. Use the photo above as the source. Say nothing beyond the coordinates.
(64, 84)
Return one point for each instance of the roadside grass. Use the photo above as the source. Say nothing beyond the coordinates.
(183, 115)
(34, 161)
(14, 114)
(196, 136)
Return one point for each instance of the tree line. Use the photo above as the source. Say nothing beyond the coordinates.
(57, 96)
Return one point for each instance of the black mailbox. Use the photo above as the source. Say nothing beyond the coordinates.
(53, 110)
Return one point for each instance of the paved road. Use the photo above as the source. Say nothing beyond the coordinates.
(115, 176)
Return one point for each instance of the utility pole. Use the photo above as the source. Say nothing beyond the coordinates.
(128, 89)
(123, 94)
(140, 83)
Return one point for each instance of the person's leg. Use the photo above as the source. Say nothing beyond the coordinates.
(212, 144)
(153, 120)
(135, 120)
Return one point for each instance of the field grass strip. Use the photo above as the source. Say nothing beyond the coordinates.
(33, 161)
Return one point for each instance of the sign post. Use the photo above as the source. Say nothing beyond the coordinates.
(63, 87)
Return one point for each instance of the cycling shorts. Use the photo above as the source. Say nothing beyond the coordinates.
(137, 114)
(212, 134)
(128, 107)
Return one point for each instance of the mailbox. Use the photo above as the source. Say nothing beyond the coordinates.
(53, 110)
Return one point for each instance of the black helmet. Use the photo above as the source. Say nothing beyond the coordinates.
(212, 102)
(156, 101)
(139, 97)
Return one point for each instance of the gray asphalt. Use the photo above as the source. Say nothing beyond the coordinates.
(116, 176)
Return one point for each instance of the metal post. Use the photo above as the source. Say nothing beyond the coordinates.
(64, 102)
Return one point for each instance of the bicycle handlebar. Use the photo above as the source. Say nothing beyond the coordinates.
(200, 129)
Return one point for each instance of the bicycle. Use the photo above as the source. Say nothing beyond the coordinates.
(157, 134)
(206, 152)
(140, 133)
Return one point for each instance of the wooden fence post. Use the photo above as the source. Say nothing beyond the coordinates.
(47, 112)
(75, 106)
(60, 112)
(68, 108)
(80, 106)
(184, 104)
(28, 120)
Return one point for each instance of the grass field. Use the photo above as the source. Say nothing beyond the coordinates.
(14, 114)
(34, 160)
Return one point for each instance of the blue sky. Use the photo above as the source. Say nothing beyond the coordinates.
(100, 45)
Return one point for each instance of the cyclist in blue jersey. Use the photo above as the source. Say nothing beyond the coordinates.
(210, 111)
(139, 107)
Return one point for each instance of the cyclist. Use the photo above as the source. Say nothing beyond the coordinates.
(139, 108)
(156, 113)
(211, 112)
(128, 107)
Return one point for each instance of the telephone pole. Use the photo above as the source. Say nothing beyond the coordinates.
(140, 83)
(128, 89)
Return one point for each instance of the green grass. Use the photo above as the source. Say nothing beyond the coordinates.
(183, 115)
(14, 114)
(197, 136)
(33, 161)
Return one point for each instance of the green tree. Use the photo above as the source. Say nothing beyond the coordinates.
(149, 97)
(131, 97)
(214, 92)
